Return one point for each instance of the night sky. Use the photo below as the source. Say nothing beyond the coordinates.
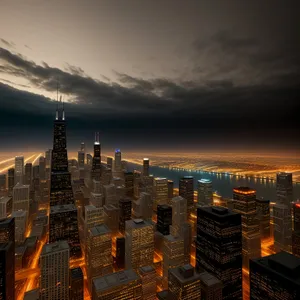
(157, 75)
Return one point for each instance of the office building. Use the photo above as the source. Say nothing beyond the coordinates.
(211, 287)
(42, 168)
(120, 252)
(125, 285)
(128, 184)
(139, 244)
(244, 203)
(218, 229)
(2, 183)
(93, 216)
(263, 215)
(179, 214)
(296, 231)
(124, 213)
(186, 232)
(7, 271)
(80, 158)
(186, 190)
(205, 192)
(111, 217)
(118, 160)
(48, 154)
(96, 165)
(21, 218)
(160, 192)
(76, 284)
(146, 165)
(7, 230)
(89, 159)
(98, 253)
(19, 169)
(170, 189)
(5, 207)
(275, 277)
(110, 196)
(164, 219)
(124, 165)
(109, 162)
(21, 197)
(148, 277)
(10, 180)
(284, 188)
(63, 226)
(32, 295)
(54, 265)
(146, 206)
(184, 283)
(28, 174)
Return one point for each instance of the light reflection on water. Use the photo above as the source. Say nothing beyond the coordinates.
(222, 183)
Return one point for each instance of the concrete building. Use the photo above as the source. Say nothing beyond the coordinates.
(5, 207)
(93, 216)
(19, 169)
(21, 197)
(160, 192)
(211, 287)
(205, 192)
(76, 284)
(148, 277)
(186, 190)
(111, 217)
(179, 214)
(21, 218)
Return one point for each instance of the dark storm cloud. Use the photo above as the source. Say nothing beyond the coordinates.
(7, 43)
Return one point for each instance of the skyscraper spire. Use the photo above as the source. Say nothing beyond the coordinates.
(56, 114)
(63, 110)
(97, 140)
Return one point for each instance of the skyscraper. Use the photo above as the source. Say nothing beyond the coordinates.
(164, 219)
(42, 168)
(139, 244)
(7, 230)
(263, 214)
(89, 159)
(54, 264)
(179, 214)
(19, 169)
(186, 190)
(120, 252)
(82, 147)
(148, 277)
(205, 192)
(93, 216)
(109, 162)
(211, 287)
(10, 180)
(63, 226)
(275, 277)
(128, 184)
(76, 284)
(219, 247)
(118, 160)
(170, 189)
(28, 174)
(284, 188)
(124, 213)
(21, 197)
(146, 167)
(5, 207)
(96, 166)
(296, 231)
(244, 203)
(160, 192)
(80, 158)
(48, 158)
(7, 271)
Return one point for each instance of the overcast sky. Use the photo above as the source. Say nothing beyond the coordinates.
(152, 73)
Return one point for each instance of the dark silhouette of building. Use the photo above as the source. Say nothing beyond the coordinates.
(10, 180)
(186, 190)
(76, 284)
(219, 247)
(120, 252)
(275, 277)
(96, 164)
(129, 183)
(146, 166)
(125, 213)
(263, 215)
(296, 231)
(7, 271)
(7, 231)
(284, 188)
(28, 174)
(164, 219)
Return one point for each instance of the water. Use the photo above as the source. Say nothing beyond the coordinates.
(222, 183)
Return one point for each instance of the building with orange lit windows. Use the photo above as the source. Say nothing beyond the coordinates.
(296, 231)
(263, 214)
(148, 277)
(186, 190)
(244, 203)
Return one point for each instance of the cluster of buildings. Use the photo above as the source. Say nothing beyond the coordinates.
(102, 232)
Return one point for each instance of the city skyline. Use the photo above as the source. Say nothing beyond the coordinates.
(152, 75)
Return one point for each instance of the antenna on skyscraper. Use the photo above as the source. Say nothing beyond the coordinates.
(96, 138)
(56, 116)
(63, 110)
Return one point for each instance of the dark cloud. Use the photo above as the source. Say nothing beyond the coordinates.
(28, 47)
(8, 44)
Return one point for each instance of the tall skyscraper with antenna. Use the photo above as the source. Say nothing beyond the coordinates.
(96, 166)
(63, 212)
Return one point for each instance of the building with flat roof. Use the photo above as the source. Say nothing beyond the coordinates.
(211, 287)
(148, 277)
(275, 277)
(205, 192)
(76, 284)
(125, 285)
(7, 271)
(186, 190)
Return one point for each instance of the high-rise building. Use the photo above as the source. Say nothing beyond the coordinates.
(179, 214)
(146, 165)
(109, 162)
(21, 197)
(186, 190)
(139, 244)
(5, 207)
(244, 203)
(80, 158)
(128, 184)
(21, 218)
(32, 295)
(205, 192)
(184, 283)
(76, 284)
(118, 160)
(63, 226)
(124, 213)
(28, 174)
(296, 231)
(211, 287)
(7, 230)
(93, 216)
(124, 165)
(111, 217)
(160, 192)
(96, 165)
(146, 206)
(89, 159)
(2, 183)
(120, 252)
(148, 277)
(219, 247)
(284, 188)
(125, 285)
(19, 169)
(48, 158)
(275, 277)
(170, 189)
(263, 214)
(7, 271)
(42, 168)
(164, 219)
(54, 265)
(98, 253)
(110, 196)
(10, 180)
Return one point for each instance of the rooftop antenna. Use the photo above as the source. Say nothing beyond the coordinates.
(97, 138)
(56, 115)
(63, 110)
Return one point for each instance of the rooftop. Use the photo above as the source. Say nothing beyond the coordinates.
(76, 273)
(55, 247)
(204, 181)
(147, 269)
(244, 190)
(137, 223)
(209, 279)
(187, 177)
(5, 199)
(184, 273)
(113, 280)
(99, 230)
(62, 208)
(217, 211)
(19, 213)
